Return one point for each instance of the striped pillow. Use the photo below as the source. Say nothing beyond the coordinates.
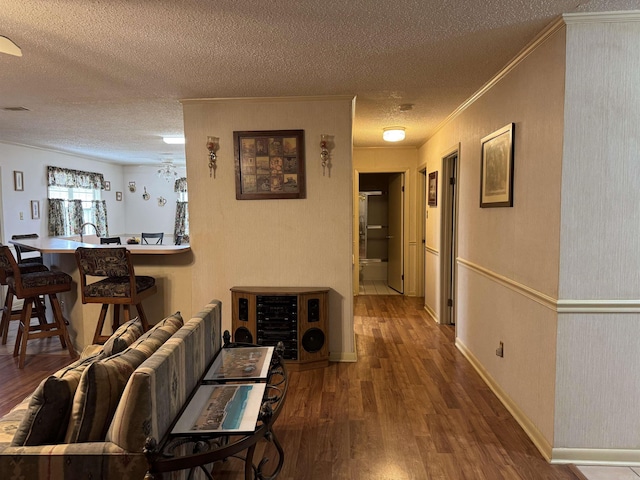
(102, 384)
(125, 335)
(47, 416)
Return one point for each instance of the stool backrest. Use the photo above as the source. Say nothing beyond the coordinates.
(104, 262)
(110, 240)
(8, 265)
(34, 256)
(158, 236)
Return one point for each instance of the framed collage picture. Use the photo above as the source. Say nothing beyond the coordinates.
(269, 164)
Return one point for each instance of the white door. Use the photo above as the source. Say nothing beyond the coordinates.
(395, 265)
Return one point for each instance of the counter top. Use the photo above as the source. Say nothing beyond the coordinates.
(61, 245)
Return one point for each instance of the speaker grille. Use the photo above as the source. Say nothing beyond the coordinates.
(242, 335)
(313, 340)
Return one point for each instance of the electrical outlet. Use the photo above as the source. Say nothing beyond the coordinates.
(500, 350)
(21, 216)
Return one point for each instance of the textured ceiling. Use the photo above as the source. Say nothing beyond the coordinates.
(104, 78)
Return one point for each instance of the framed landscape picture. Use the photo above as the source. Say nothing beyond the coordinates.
(496, 168)
(269, 164)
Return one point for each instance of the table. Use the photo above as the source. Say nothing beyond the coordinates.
(196, 451)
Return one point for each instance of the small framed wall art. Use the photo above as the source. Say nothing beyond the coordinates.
(35, 209)
(118, 196)
(18, 181)
(496, 168)
(433, 189)
(107, 186)
(269, 164)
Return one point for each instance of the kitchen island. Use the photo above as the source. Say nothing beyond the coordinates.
(169, 264)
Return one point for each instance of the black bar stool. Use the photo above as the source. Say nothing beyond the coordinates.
(29, 287)
(119, 286)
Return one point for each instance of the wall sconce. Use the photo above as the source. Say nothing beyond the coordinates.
(324, 151)
(212, 145)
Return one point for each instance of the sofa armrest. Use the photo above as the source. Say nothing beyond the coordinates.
(103, 460)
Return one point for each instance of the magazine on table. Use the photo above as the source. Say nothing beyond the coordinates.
(227, 408)
(240, 363)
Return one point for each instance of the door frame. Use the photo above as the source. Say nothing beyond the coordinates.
(450, 168)
(355, 251)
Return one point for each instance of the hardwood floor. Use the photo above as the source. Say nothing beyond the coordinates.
(411, 408)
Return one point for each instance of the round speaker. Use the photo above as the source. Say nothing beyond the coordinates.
(242, 335)
(313, 340)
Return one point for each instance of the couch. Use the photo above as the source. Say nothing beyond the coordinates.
(91, 419)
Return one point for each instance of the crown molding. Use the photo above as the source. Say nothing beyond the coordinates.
(317, 98)
(602, 17)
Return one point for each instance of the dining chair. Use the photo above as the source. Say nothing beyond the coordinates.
(158, 236)
(178, 239)
(119, 285)
(110, 240)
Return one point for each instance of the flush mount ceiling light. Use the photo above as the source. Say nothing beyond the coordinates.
(173, 140)
(393, 134)
(7, 46)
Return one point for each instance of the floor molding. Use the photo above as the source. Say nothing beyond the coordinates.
(596, 456)
(538, 439)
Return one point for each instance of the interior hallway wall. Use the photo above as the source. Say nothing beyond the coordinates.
(295, 242)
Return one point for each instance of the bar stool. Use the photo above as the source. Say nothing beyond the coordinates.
(158, 237)
(8, 313)
(121, 286)
(29, 287)
(20, 250)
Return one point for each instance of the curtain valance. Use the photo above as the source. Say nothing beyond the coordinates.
(65, 177)
(180, 185)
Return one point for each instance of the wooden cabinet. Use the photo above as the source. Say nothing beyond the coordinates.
(295, 316)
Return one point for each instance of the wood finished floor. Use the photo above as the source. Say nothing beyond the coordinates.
(410, 408)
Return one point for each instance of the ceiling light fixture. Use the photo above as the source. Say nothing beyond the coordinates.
(167, 170)
(173, 140)
(393, 134)
(7, 46)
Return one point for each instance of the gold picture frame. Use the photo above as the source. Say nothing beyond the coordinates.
(269, 164)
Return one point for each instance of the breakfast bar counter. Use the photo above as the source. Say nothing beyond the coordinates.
(169, 264)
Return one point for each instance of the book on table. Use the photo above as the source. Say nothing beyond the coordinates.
(240, 363)
(226, 408)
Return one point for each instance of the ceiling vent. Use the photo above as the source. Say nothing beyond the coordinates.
(15, 109)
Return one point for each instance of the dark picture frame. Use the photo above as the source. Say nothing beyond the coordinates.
(270, 164)
(432, 192)
(18, 181)
(496, 168)
(35, 209)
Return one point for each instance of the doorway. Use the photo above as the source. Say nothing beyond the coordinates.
(448, 238)
(381, 233)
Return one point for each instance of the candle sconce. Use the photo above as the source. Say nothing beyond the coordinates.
(325, 156)
(213, 143)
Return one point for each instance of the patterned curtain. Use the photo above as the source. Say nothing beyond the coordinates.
(180, 185)
(65, 217)
(99, 217)
(65, 177)
(181, 226)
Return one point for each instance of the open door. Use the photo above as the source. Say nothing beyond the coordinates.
(395, 267)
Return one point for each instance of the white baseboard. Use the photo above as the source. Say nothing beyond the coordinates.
(343, 357)
(596, 456)
(538, 439)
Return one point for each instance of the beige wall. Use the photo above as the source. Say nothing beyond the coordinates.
(508, 258)
(303, 242)
(403, 160)
(599, 321)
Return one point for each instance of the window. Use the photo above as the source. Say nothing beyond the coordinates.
(77, 193)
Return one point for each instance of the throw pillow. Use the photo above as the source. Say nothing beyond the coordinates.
(47, 416)
(102, 384)
(125, 335)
